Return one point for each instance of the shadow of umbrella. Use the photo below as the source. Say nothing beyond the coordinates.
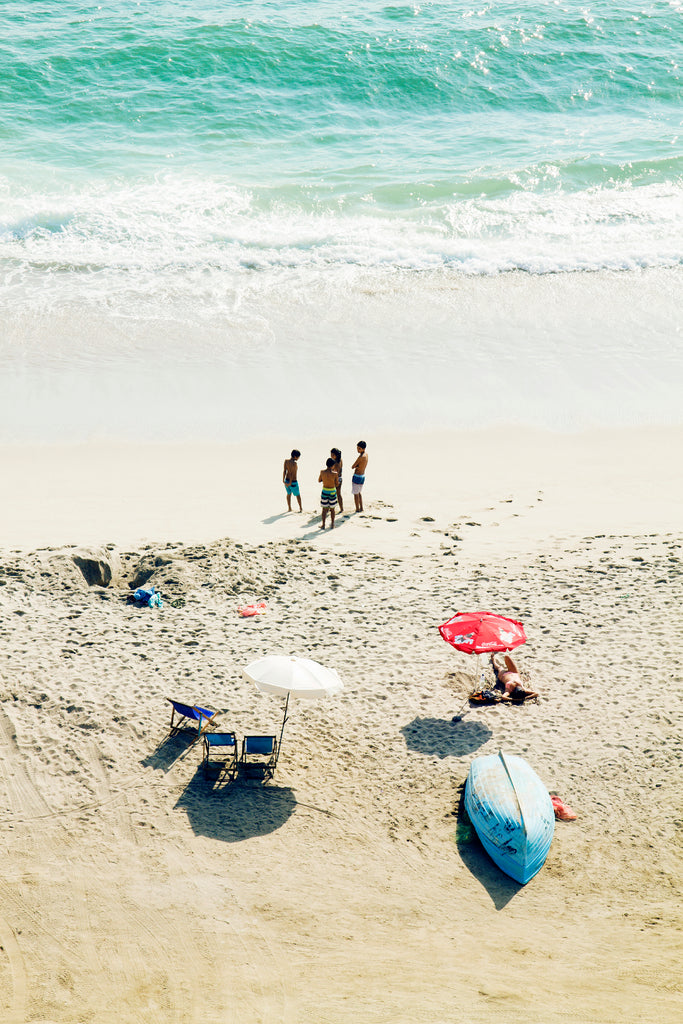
(233, 813)
(169, 750)
(441, 738)
(498, 885)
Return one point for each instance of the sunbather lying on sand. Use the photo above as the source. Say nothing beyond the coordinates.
(509, 680)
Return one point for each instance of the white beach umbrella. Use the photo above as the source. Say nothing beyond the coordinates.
(287, 676)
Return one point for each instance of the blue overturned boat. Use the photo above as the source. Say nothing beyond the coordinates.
(512, 813)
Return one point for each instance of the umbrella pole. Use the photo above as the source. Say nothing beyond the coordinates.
(279, 746)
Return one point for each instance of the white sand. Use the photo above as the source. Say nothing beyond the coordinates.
(520, 486)
(135, 891)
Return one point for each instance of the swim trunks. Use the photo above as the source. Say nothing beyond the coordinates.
(292, 488)
(328, 497)
(357, 482)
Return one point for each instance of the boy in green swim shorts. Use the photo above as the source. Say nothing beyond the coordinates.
(290, 479)
(328, 497)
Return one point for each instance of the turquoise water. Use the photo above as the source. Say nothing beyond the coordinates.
(191, 162)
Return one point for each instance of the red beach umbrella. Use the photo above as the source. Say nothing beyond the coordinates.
(482, 632)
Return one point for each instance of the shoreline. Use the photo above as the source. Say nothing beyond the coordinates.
(409, 351)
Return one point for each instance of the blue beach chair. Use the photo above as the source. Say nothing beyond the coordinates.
(259, 756)
(220, 753)
(188, 713)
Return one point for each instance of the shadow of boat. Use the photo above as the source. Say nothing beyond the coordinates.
(498, 885)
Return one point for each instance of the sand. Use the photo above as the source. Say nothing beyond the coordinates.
(135, 890)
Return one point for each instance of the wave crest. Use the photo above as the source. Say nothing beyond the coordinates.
(175, 243)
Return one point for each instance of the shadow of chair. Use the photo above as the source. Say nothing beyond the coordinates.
(169, 750)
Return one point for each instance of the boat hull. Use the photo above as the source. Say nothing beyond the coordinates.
(512, 813)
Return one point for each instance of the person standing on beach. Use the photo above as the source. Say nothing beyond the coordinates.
(328, 498)
(359, 475)
(336, 455)
(290, 479)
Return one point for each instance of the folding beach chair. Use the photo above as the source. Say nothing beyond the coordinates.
(220, 753)
(259, 756)
(188, 713)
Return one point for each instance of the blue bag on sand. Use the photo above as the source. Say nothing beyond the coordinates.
(148, 597)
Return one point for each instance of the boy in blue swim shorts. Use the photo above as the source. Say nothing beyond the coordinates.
(358, 478)
(290, 479)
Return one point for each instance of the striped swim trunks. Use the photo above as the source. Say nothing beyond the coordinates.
(328, 497)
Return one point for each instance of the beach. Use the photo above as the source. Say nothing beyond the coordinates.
(229, 231)
(134, 889)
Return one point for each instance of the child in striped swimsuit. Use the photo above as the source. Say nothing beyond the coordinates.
(328, 497)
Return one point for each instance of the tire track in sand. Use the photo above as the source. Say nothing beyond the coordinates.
(58, 955)
(141, 955)
(16, 1012)
(251, 955)
(23, 797)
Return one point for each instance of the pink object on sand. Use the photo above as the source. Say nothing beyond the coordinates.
(247, 610)
(562, 812)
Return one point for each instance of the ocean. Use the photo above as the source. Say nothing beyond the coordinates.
(224, 220)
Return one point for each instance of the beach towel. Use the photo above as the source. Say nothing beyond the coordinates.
(484, 697)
